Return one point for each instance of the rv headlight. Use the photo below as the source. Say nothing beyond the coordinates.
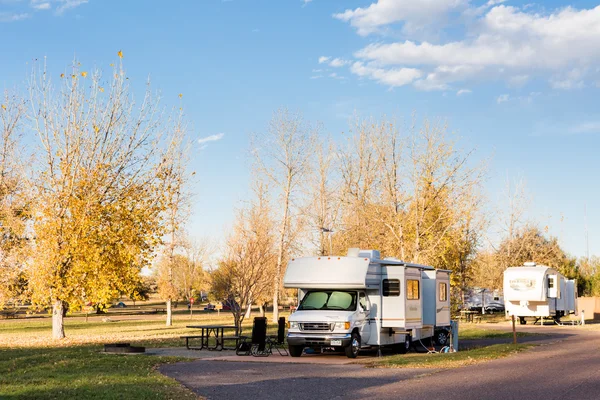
(292, 325)
(342, 325)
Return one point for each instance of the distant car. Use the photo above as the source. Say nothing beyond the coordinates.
(494, 307)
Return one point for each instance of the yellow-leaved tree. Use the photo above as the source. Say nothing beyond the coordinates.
(102, 187)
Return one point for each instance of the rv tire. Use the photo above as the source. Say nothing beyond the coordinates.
(354, 347)
(402, 348)
(441, 337)
(295, 351)
(522, 321)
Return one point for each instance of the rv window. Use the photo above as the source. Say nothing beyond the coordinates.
(391, 287)
(550, 283)
(329, 300)
(412, 289)
(443, 292)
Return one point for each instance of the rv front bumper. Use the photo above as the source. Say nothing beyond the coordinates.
(311, 339)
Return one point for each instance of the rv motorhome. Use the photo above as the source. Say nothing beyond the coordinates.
(538, 291)
(361, 301)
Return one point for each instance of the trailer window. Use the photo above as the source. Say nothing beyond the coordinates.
(391, 287)
(550, 283)
(443, 292)
(412, 289)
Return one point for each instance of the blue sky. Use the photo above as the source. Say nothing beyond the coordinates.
(517, 80)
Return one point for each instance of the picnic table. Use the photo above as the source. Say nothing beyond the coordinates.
(208, 331)
(468, 315)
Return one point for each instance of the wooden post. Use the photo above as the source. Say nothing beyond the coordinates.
(514, 331)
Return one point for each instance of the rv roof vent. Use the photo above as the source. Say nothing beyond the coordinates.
(529, 264)
(372, 254)
(353, 252)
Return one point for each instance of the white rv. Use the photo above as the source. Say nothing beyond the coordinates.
(538, 291)
(361, 301)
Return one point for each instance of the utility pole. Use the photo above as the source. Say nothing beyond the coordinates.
(587, 237)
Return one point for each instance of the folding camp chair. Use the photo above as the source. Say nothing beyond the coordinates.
(278, 341)
(258, 346)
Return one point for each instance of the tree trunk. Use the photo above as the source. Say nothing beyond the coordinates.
(169, 313)
(261, 309)
(58, 327)
(248, 311)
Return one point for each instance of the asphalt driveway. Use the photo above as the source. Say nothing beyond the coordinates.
(565, 368)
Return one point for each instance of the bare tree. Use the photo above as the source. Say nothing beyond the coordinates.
(15, 197)
(245, 273)
(283, 154)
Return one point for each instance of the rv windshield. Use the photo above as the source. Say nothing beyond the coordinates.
(329, 300)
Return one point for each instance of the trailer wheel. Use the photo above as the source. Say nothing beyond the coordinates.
(402, 348)
(295, 351)
(522, 321)
(354, 347)
(441, 337)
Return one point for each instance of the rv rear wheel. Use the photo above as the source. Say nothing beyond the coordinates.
(354, 347)
(522, 321)
(402, 348)
(441, 337)
(295, 351)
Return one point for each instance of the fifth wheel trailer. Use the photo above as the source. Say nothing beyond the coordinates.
(361, 301)
(538, 291)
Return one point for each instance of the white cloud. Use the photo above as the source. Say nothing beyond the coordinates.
(518, 80)
(389, 77)
(463, 91)
(415, 14)
(316, 77)
(41, 6)
(68, 4)
(499, 42)
(11, 17)
(586, 127)
(503, 98)
(338, 62)
(211, 138)
(323, 59)
(572, 79)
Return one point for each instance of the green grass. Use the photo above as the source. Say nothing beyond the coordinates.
(82, 372)
(449, 360)
(33, 366)
(470, 332)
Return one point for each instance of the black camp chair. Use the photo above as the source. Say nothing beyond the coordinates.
(258, 345)
(278, 341)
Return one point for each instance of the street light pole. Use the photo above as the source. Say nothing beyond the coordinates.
(330, 231)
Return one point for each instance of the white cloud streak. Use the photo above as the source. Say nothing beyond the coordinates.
(463, 91)
(503, 98)
(13, 17)
(211, 138)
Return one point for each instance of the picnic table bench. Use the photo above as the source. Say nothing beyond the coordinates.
(211, 331)
(8, 313)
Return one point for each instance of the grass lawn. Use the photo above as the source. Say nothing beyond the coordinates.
(466, 332)
(33, 366)
(82, 372)
(449, 360)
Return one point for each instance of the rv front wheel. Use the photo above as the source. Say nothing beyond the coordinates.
(354, 347)
(295, 351)
(522, 321)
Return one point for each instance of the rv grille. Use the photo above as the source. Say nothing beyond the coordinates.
(316, 326)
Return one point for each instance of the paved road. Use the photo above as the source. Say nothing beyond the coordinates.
(565, 370)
